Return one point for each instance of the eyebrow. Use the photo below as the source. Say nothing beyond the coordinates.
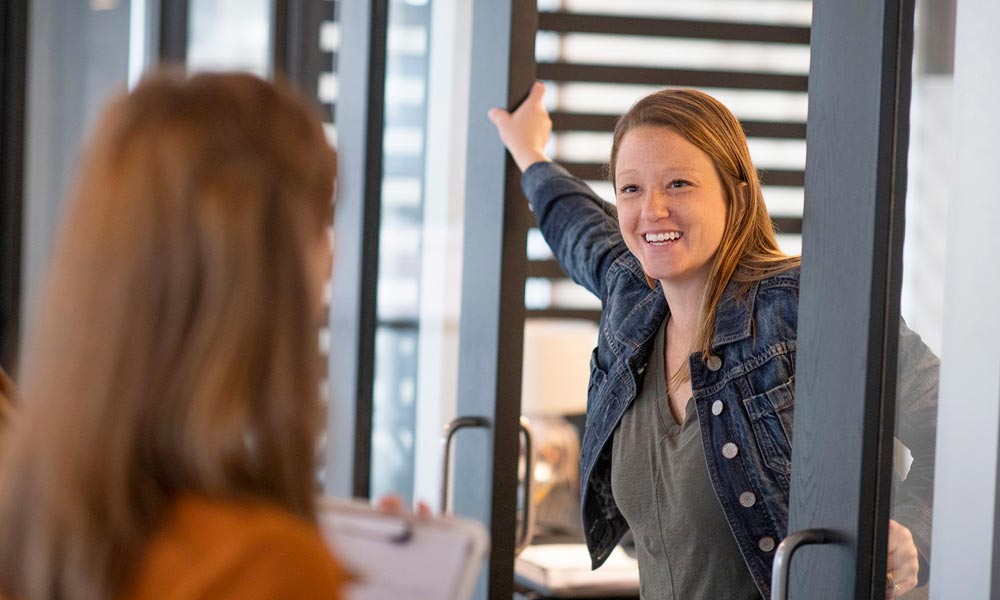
(686, 171)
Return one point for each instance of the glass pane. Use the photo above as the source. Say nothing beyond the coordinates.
(78, 58)
(922, 301)
(230, 35)
(419, 266)
(557, 351)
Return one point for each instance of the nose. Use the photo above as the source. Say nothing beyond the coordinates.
(655, 206)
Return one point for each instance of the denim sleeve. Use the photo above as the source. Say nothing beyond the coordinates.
(580, 227)
(916, 427)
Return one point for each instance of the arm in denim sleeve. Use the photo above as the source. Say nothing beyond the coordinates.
(916, 428)
(580, 227)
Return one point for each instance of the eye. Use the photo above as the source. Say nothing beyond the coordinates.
(679, 183)
(628, 189)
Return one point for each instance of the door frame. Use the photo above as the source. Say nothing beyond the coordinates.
(494, 268)
(13, 74)
(856, 168)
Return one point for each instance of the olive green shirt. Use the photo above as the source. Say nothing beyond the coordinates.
(660, 482)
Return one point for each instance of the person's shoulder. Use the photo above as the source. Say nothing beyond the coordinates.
(784, 276)
(255, 517)
(240, 549)
(776, 301)
(283, 556)
(257, 525)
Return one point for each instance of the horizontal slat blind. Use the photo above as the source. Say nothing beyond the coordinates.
(568, 22)
(561, 71)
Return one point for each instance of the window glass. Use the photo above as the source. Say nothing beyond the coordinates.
(230, 35)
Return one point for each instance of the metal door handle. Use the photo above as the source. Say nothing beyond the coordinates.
(783, 557)
(527, 531)
(449, 432)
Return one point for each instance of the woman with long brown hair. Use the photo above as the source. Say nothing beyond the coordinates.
(692, 387)
(166, 443)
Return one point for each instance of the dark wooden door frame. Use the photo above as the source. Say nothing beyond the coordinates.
(172, 30)
(296, 55)
(13, 78)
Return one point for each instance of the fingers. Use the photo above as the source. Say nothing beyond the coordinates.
(498, 116)
(903, 563)
(534, 101)
(390, 504)
(525, 131)
(899, 537)
(393, 504)
(537, 92)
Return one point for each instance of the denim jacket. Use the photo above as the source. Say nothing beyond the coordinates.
(744, 392)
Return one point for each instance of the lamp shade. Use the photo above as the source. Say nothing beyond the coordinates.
(556, 366)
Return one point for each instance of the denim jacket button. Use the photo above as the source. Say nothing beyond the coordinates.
(748, 499)
(713, 362)
(730, 450)
(717, 407)
(766, 544)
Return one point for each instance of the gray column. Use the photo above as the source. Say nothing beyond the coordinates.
(494, 263)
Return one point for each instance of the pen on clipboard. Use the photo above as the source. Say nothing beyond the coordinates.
(395, 529)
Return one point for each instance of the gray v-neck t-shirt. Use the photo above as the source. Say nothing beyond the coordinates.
(661, 485)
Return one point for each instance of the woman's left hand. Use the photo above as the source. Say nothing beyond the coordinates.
(903, 565)
(393, 504)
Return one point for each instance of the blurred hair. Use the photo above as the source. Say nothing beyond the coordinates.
(8, 399)
(749, 250)
(176, 348)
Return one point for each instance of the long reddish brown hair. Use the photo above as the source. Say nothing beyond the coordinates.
(176, 349)
(749, 249)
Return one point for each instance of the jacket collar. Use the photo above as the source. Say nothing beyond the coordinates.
(733, 319)
(734, 316)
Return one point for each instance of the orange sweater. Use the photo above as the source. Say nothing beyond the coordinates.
(219, 550)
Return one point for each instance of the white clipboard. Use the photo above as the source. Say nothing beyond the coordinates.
(400, 556)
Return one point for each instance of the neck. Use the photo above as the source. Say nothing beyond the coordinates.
(684, 300)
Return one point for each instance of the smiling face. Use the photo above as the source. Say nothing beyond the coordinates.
(671, 205)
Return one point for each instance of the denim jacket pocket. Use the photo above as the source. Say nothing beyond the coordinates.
(771, 418)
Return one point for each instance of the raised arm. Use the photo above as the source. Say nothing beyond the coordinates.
(580, 227)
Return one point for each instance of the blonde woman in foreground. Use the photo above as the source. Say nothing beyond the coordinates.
(165, 447)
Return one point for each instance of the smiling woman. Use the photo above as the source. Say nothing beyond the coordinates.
(695, 361)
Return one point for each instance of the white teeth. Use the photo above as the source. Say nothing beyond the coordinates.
(663, 237)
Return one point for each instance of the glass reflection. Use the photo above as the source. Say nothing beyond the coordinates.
(401, 238)
(922, 301)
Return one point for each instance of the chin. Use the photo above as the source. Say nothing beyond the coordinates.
(670, 274)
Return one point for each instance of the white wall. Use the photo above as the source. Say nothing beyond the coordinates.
(969, 406)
